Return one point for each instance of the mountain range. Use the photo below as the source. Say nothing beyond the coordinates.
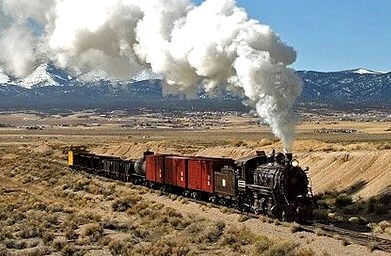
(354, 88)
(51, 86)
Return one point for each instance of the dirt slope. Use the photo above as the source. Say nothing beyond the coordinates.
(340, 170)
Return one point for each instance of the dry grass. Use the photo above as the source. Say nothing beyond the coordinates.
(45, 208)
(383, 227)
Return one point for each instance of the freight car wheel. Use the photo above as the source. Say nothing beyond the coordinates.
(186, 193)
(194, 195)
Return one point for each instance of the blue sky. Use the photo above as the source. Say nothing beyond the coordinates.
(330, 34)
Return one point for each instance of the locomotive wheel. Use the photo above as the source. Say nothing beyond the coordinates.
(284, 216)
(213, 199)
(222, 201)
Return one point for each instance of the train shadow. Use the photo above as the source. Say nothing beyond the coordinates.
(342, 209)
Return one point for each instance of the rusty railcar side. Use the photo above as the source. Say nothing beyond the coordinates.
(175, 171)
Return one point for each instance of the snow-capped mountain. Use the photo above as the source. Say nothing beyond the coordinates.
(363, 71)
(49, 83)
(46, 74)
(4, 79)
(351, 87)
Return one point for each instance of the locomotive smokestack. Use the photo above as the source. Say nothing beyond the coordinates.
(272, 157)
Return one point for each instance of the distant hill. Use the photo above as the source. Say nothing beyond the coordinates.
(359, 87)
(51, 86)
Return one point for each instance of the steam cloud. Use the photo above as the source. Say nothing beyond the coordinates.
(209, 46)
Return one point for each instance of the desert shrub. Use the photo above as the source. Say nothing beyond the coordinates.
(37, 251)
(27, 179)
(385, 198)
(294, 227)
(381, 227)
(236, 238)
(69, 232)
(243, 218)
(171, 212)
(320, 214)
(216, 232)
(5, 232)
(384, 224)
(47, 236)
(30, 231)
(81, 185)
(169, 245)
(14, 244)
(141, 233)
(380, 208)
(139, 207)
(261, 245)
(205, 232)
(343, 200)
(146, 212)
(56, 207)
(178, 223)
(354, 208)
(40, 206)
(4, 251)
(69, 250)
(319, 232)
(372, 246)
(74, 220)
(266, 219)
(123, 204)
(59, 242)
(119, 246)
(93, 230)
(305, 252)
(115, 225)
(284, 248)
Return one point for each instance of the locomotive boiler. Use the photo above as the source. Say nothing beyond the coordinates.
(271, 184)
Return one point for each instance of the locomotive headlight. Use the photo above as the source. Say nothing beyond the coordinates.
(295, 163)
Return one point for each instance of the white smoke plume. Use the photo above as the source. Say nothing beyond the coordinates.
(209, 46)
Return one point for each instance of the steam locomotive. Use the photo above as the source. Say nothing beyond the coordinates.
(271, 184)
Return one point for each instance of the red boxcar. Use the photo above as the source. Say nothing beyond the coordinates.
(201, 172)
(175, 171)
(155, 168)
(194, 173)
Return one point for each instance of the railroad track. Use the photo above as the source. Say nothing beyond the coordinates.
(354, 237)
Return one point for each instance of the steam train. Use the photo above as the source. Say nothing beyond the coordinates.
(271, 184)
